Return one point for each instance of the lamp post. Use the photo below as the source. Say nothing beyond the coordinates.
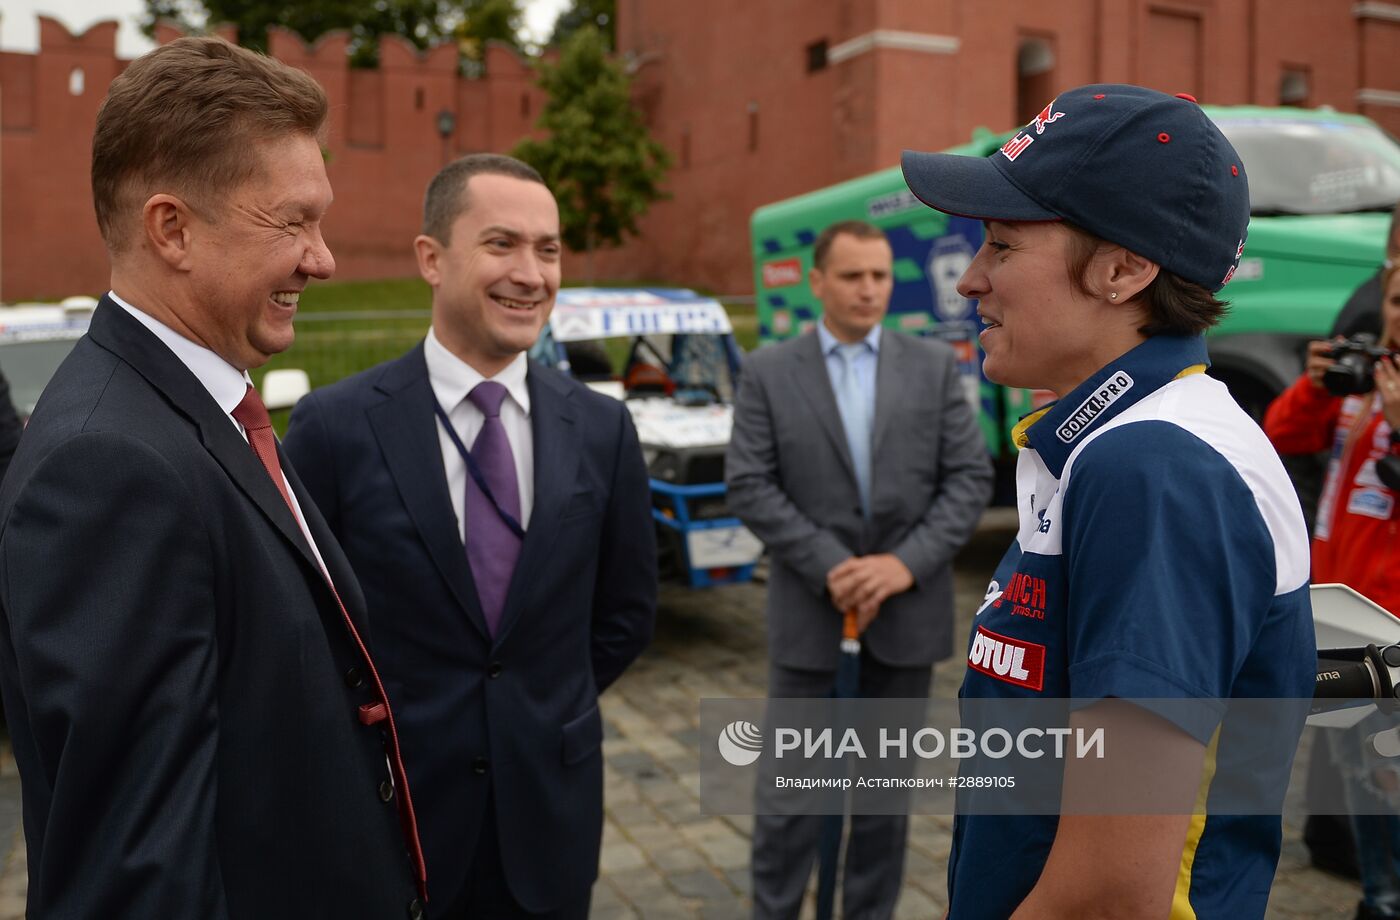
(446, 124)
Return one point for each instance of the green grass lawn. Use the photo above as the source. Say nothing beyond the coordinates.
(344, 327)
(331, 343)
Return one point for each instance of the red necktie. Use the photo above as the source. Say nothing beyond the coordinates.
(252, 415)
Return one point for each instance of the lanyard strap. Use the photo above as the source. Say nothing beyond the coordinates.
(475, 472)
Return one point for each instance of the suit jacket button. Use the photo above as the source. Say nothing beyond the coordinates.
(386, 791)
(495, 669)
(479, 766)
(415, 909)
(353, 679)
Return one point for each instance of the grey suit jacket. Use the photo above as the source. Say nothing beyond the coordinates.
(792, 483)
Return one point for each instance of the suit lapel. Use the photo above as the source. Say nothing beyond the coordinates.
(556, 468)
(119, 333)
(342, 577)
(814, 383)
(406, 428)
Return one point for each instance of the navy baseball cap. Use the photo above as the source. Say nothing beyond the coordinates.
(1136, 167)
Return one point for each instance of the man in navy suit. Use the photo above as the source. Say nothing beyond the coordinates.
(498, 516)
(199, 729)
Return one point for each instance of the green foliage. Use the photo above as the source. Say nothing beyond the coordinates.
(599, 13)
(489, 20)
(600, 161)
(423, 22)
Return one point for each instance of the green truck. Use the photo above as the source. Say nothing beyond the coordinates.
(1322, 185)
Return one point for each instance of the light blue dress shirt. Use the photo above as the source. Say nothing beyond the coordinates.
(851, 368)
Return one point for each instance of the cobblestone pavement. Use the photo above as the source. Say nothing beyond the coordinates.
(663, 859)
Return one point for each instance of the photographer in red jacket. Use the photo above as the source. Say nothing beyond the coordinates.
(1349, 398)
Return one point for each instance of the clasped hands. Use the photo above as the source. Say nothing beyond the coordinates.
(862, 583)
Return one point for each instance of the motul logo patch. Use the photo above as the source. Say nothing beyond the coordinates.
(1014, 661)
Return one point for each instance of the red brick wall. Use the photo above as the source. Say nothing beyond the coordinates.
(383, 147)
(725, 87)
(704, 63)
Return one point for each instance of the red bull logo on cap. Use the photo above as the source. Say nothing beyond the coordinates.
(1045, 117)
(1023, 139)
(1239, 251)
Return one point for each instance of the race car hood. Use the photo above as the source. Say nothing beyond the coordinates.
(663, 423)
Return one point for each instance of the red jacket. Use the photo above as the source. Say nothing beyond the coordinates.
(1354, 541)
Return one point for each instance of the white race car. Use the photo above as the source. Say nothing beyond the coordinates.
(670, 354)
(34, 340)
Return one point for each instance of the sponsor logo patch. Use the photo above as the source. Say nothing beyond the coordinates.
(1016, 146)
(1014, 661)
(993, 594)
(782, 273)
(1234, 264)
(1091, 408)
(1047, 115)
(1371, 503)
(1025, 595)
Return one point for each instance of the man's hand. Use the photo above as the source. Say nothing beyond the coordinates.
(862, 583)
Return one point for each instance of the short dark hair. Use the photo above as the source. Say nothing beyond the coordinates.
(181, 119)
(446, 198)
(856, 228)
(1174, 305)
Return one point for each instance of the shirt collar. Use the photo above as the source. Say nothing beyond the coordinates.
(452, 378)
(1057, 429)
(829, 341)
(226, 383)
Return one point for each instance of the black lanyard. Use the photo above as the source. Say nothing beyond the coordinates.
(475, 472)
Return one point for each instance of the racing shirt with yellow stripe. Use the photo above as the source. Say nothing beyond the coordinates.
(1160, 554)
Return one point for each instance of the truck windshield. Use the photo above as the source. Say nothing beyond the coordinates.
(1315, 167)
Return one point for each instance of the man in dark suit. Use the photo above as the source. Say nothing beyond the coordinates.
(11, 426)
(856, 459)
(498, 515)
(198, 727)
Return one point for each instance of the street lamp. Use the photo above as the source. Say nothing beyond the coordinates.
(446, 124)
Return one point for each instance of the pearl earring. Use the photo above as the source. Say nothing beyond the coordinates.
(1113, 295)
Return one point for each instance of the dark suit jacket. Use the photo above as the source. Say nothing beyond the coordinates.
(173, 664)
(517, 716)
(10, 426)
(791, 481)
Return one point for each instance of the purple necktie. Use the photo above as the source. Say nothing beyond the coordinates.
(492, 548)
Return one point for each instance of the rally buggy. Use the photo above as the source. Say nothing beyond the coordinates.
(670, 355)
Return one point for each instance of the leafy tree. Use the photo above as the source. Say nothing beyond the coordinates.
(484, 21)
(604, 168)
(600, 13)
(491, 20)
(423, 22)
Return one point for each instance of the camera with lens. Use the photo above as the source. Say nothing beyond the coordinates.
(1353, 368)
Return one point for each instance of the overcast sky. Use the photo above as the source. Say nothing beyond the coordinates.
(19, 30)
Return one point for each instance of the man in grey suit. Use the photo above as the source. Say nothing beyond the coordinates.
(857, 460)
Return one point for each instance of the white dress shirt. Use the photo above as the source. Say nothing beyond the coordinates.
(452, 379)
(226, 383)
